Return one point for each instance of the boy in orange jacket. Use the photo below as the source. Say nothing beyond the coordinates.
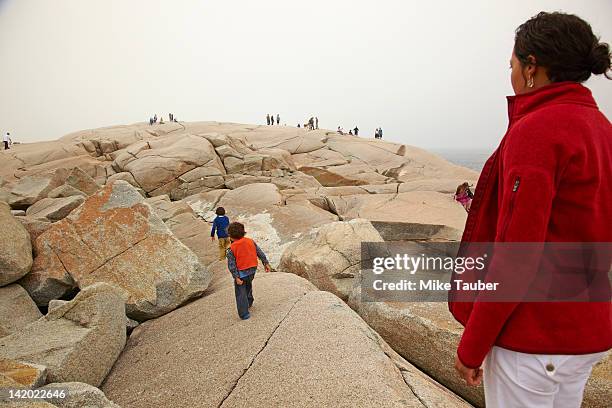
(242, 258)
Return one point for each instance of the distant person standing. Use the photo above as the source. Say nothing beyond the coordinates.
(155, 118)
(220, 224)
(317, 123)
(356, 131)
(170, 116)
(268, 119)
(278, 119)
(376, 134)
(7, 141)
(272, 119)
(380, 133)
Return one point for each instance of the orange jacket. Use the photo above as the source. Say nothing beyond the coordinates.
(245, 253)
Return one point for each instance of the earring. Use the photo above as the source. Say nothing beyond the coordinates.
(530, 82)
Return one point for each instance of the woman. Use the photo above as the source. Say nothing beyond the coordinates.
(548, 181)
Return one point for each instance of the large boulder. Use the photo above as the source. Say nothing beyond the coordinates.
(30, 189)
(79, 395)
(82, 181)
(116, 237)
(16, 254)
(17, 309)
(330, 256)
(34, 226)
(54, 209)
(78, 341)
(305, 348)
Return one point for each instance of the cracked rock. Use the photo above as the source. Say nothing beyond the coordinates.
(330, 256)
(116, 237)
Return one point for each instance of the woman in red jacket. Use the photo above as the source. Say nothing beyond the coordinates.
(550, 180)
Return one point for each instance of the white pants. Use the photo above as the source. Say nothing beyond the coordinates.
(519, 380)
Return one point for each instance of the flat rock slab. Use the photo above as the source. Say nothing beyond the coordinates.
(17, 309)
(301, 347)
(54, 209)
(77, 341)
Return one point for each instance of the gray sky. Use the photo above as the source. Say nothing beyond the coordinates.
(432, 74)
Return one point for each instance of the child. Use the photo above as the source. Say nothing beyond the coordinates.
(220, 224)
(464, 196)
(242, 263)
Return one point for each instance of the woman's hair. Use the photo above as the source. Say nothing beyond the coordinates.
(220, 211)
(461, 188)
(236, 230)
(564, 44)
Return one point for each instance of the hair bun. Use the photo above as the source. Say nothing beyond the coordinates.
(600, 59)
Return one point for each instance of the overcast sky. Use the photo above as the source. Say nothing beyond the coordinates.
(432, 74)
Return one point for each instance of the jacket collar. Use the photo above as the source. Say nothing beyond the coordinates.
(556, 93)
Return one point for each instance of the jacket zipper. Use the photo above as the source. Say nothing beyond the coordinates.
(515, 187)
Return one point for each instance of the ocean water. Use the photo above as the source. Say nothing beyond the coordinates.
(471, 158)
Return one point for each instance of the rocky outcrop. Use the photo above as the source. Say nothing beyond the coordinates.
(16, 254)
(330, 257)
(79, 395)
(77, 341)
(157, 165)
(115, 237)
(17, 309)
(423, 207)
(305, 347)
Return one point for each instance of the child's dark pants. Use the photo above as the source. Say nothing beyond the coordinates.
(244, 296)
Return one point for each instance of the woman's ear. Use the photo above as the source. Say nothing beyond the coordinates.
(531, 66)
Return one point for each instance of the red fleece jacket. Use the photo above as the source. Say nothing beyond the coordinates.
(558, 152)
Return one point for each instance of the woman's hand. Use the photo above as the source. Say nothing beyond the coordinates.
(472, 376)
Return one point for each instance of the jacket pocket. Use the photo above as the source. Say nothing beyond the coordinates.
(508, 217)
